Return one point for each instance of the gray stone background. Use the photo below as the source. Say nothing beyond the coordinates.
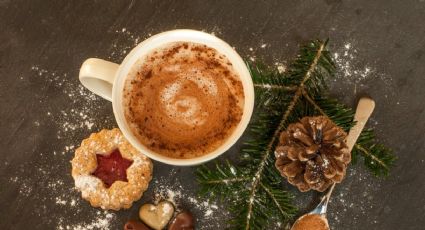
(45, 113)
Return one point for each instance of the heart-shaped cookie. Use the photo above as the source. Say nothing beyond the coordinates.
(157, 217)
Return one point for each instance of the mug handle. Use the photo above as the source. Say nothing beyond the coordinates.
(98, 76)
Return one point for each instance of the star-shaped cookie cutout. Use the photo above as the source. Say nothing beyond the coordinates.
(111, 167)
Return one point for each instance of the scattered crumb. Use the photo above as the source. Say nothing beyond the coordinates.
(60, 201)
(281, 68)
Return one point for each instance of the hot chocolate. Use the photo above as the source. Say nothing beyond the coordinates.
(183, 100)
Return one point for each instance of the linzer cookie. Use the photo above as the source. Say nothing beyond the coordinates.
(109, 172)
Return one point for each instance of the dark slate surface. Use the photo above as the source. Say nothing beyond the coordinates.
(43, 43)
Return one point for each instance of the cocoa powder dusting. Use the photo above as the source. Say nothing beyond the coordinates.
(311, 222)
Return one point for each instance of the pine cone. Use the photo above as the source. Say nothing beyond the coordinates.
(312, 154)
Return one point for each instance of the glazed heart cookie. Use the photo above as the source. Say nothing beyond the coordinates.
(109, 172)
(157, 217)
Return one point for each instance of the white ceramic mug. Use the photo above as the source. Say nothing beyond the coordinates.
(106, 79)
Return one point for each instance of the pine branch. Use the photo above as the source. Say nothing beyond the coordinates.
(295, 75)
(277, 87)
(220, 181)
(377, 158)
(262, 195)
(337, 112)
(265, 77)
(253, 189)
(280, 198)
(270, 86)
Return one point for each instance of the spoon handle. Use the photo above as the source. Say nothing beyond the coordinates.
(322, 207)
(364, 110)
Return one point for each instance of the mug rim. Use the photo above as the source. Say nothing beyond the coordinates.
(182, 35)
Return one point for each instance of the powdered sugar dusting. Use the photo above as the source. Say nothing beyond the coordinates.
(167, 208)
(77, 113)
(352, 72)
(71, 114)
(345, 61)
(357, 206)
(87, 184)
(169, 188)
(102, 221)
(68, 200)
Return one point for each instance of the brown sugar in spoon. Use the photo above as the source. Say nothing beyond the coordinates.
(316, 219)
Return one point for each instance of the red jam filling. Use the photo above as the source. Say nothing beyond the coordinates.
(111, 167)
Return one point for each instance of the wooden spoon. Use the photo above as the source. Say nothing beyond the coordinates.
(364, 110)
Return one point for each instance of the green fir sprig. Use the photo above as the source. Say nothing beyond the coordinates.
(253, 188)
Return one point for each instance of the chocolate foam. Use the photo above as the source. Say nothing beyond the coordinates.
(183, 100)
